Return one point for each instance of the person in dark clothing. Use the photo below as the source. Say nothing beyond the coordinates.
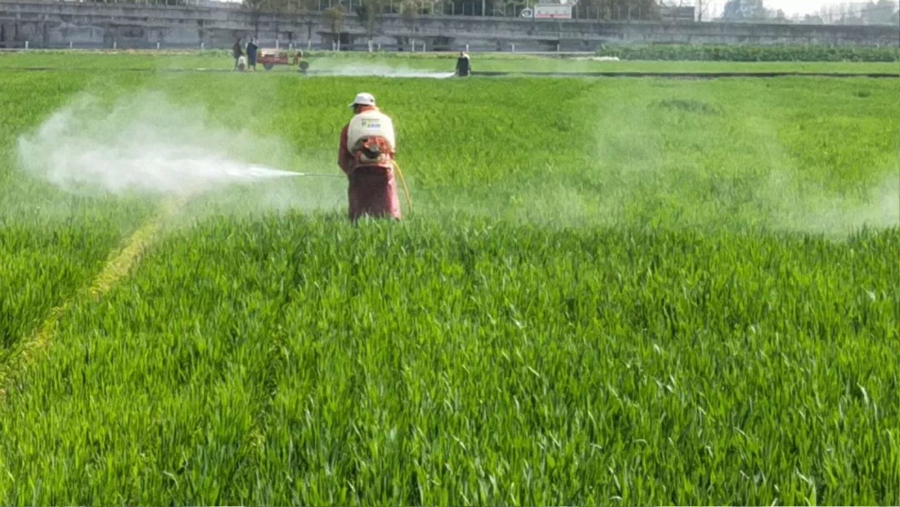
(252, 48)
(463, 67)
(237, 52)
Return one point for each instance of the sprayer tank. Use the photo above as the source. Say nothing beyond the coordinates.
(371, 124)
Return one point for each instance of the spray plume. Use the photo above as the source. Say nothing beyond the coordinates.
(142, 144)
(332, 68)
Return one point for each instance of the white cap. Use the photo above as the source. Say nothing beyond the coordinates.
(363, 99)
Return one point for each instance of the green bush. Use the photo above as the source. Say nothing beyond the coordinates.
(752, 53)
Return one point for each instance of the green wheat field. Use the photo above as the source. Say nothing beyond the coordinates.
(606, 292)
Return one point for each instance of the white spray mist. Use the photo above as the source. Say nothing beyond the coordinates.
(142, 144)
(342, 68)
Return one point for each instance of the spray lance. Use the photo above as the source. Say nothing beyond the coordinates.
(317, 174)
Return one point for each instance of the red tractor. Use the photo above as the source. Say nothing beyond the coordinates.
(269, 58)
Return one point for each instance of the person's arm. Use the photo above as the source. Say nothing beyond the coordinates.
(345, 160)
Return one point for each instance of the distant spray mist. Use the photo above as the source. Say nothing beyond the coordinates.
(808, 206)
(140, 144)
(679, 168)
(651, 168)
(330, 68)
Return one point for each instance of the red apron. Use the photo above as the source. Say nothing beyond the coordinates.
(373, 192)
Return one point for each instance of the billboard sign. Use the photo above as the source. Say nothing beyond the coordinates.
(552, 11)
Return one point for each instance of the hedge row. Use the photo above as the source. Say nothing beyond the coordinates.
(753, 53)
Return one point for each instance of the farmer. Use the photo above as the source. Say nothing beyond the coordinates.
(367, 158)
(298, 61)
(463, 68)
(237, 52)
(252, 48)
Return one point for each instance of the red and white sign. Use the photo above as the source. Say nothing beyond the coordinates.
(552, 11)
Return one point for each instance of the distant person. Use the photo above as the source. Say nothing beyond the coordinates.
(252, 48)
(298, 60)
(237, 52)
(463, 67)
(366, 156)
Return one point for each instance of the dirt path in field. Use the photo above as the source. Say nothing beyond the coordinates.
(117, 267)
(663, 75)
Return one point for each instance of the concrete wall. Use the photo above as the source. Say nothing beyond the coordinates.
(56, 24)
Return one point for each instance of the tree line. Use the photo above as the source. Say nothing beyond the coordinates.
(880, 12)
(873, 12)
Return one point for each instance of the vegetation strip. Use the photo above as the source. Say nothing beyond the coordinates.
(668, 75)
(729, 53)
(115, 269)
(687, 75)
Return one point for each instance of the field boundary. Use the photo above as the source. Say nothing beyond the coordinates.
(118, 266)
(691, 75)
(631, 74)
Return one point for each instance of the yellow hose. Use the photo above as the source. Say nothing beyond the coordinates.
(403, 181)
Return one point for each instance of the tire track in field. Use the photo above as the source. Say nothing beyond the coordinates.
(25, 353)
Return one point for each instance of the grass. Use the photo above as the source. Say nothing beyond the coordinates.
(630, 291)
(744, 53)
(442, 62)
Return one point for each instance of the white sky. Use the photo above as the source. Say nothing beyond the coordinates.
(790, 7)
